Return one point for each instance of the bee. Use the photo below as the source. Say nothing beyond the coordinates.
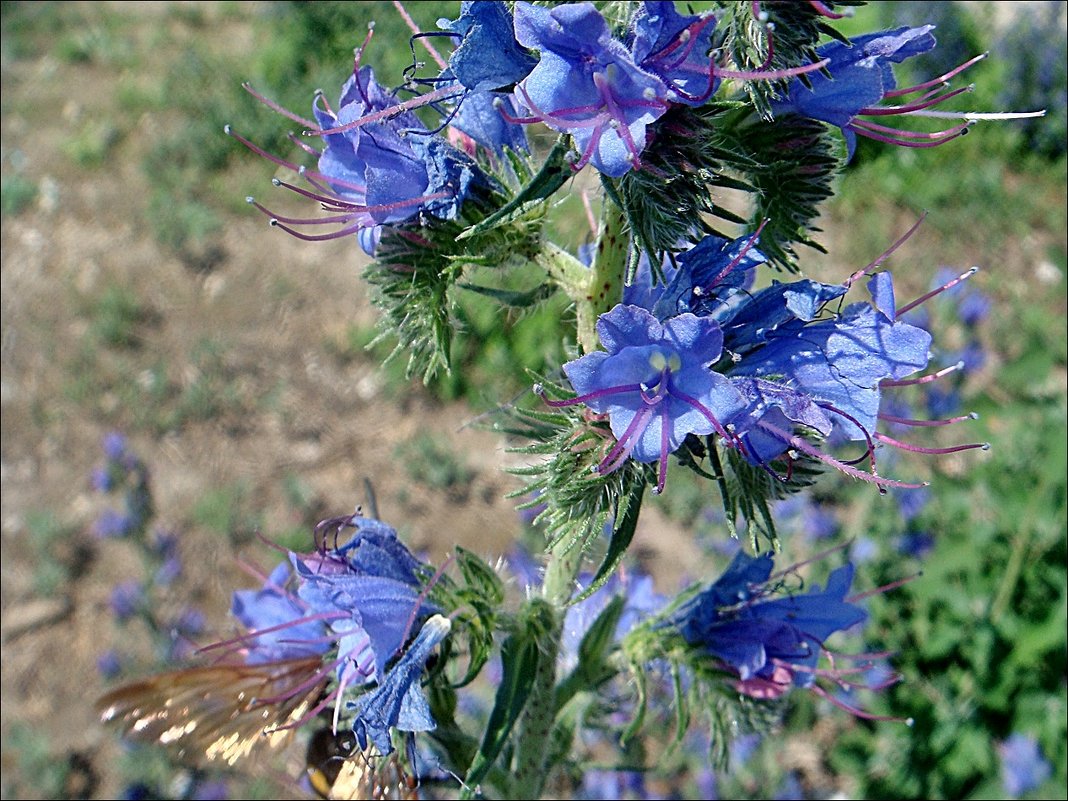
(337, 768)
(224, 712)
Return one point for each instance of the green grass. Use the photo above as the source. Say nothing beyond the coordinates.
(17, 194)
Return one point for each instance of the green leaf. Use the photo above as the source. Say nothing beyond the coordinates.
(480, 576)
(593, 668)
(519, 660)
(552, 175)
(627, 509)
(510, 297)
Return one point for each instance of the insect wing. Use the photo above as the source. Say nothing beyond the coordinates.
(221, 712)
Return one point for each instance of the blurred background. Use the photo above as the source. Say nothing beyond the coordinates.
(180, 382)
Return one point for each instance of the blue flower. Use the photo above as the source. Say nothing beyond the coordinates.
(640, 601)
(398, 701)
(827, 375)
(618, 784)
(710, 276)
(127, 599)
(587, 84)
(799, 365)
(115, 446)
(1023, 768)
(379, 165)
(109, 664)
(112, 523)
(916, 544)
(392, 169)
(480, 117)
(768, 643)
(653, 383)
(860, 77)
(370, 594)
(488, 56)
(807, 516)
(675, 48)
(102, 479)
(278, 623)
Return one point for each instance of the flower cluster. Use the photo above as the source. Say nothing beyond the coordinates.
(770, 643)
(122, 471)
(761, 369)
(351, 608)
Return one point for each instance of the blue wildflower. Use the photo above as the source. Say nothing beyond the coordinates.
(398, 701)
(216, 790)
(1023, 767)
(370, 593)
(675, 48)
(653, 383)
(279, 625)
(824, 374)
(770, 643)
(711, 275)
(640, 601)
(910, 504)
(860, 76)
(139, 791)
(841, 361)
(112, 523)
(115, 446)
(102, 479)
(109, 664)
(644, 289)
(127, 599)
(916, 544)
(488, 57)
(620, 784)
(480, 117)
(587, 84)
(807, 516)
(345, 610)
(379, 165)
(798, 365)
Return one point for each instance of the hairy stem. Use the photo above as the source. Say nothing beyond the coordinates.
(604, 288)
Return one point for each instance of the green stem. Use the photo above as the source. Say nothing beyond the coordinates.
(594, 291)
(539, 717)
(605, 285)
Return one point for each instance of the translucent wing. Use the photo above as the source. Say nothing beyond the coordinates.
(373, 777)
(221, 712)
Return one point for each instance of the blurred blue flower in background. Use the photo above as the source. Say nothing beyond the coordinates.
(1023, 768)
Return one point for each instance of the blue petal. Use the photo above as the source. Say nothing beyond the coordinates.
(398, 701)
(482, 121)
(625, 326)
(488, 57)
(272, 606)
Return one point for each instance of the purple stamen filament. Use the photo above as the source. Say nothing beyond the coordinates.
(927, 379)
(905, 446)
(887, 253)
(923, 298)
(442, 93)
(935, 81)
(800, 444)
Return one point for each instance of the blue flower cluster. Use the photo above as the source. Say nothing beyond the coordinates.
(353, 607)
(122, 471)
(770, 643)
(763, 369)
(565, 67)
